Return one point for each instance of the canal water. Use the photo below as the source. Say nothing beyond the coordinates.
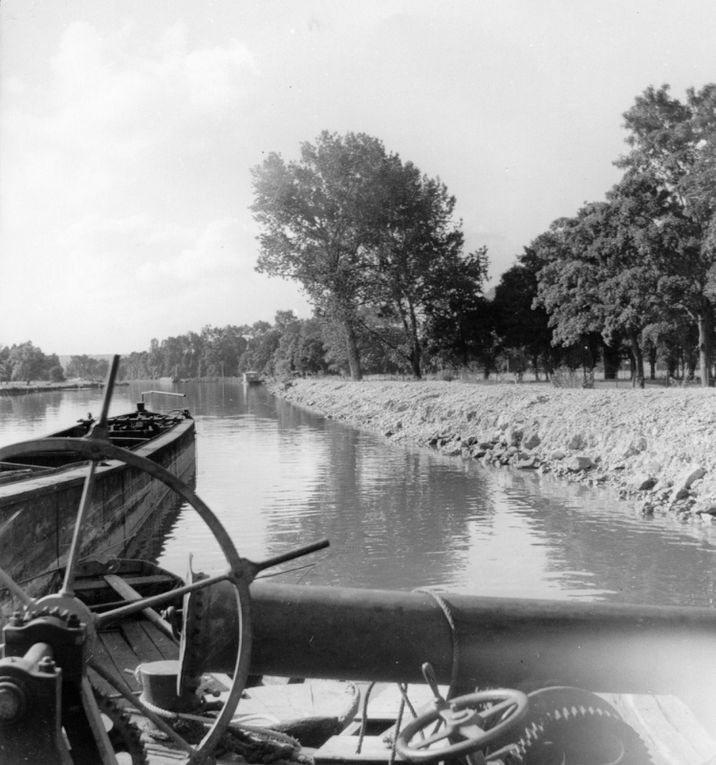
(279, 477)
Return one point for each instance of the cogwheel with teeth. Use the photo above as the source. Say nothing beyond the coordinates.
(571, 726)
(124, 736)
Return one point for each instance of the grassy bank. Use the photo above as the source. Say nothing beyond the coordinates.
(656, 445)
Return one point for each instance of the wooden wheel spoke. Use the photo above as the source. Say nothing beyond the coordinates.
(156, 600)
(9, 583)
(88, 488)
(94, 720)
(74, 554)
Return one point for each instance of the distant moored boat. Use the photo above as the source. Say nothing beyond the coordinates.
(251, 378)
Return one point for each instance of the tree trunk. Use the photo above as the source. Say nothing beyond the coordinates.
(637, 380)
(535, 366)
(415, 350)
(704, 325)
(610, 355)
(352, 350)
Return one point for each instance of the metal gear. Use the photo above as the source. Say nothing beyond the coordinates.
(123, 734)
(571, 726)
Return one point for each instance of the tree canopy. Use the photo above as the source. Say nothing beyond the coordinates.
(627, 266)
(372, 241)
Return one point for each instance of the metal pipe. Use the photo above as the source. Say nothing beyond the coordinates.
(306, 631)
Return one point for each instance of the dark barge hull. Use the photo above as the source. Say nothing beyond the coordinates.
(37, 512)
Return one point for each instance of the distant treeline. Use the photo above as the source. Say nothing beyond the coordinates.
(25, 362)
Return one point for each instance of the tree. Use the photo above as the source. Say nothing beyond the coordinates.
(300, 349)
(419, 256)
(600, 272)
(360, 230)
(87, 367)
(5, 366)
(625, 234)
(520, 324)
(221, 350)
(26, 362)
(567, 281)
(675, 143)
(459, 323)
(316, 219)
(56, 373)
(262, 343)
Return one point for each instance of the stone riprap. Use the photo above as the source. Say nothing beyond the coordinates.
(656, 445)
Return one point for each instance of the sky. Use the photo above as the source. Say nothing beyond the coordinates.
(128, 131)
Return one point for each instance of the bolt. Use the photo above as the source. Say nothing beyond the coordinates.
(16, 620)
(46, 665)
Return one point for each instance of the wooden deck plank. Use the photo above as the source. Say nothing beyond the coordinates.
(343, 749)
(101, 656)
(168, 647)
(121, 657)
(668, 727)
(135, 633)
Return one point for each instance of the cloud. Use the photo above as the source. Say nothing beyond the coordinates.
(213, 252)
(137, 260)
(117, 114)
(118, 186)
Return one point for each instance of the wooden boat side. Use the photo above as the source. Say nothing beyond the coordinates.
(37, 514)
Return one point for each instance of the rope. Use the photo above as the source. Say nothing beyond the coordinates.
(447, 613)
(364, 716)
(267, 733)
(404, 693)
(398, 722)
(160, 711)
(455, 666)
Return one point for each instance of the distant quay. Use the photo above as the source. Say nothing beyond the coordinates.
(19, 388)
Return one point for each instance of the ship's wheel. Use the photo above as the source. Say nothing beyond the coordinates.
(48, 709)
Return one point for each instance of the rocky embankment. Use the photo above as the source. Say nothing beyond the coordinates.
(657, 445)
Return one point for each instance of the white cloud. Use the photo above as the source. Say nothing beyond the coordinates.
(115, 113)
(214, 253)
(216, 76)
(113, 184)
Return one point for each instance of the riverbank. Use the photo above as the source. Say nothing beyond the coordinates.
(20, 388)
(658, 446)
